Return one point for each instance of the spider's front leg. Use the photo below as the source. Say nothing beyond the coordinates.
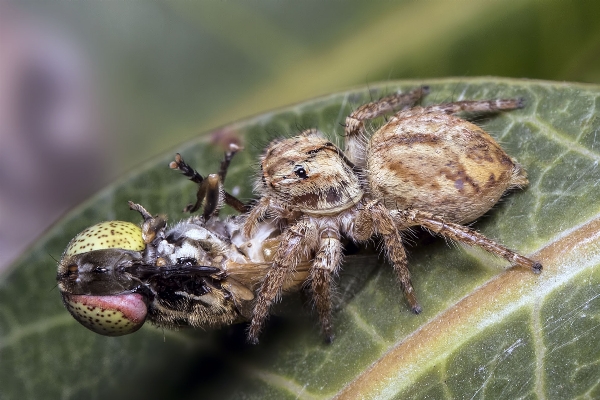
(463, 234)
(258, 213)
(325, 267)
(296, 242)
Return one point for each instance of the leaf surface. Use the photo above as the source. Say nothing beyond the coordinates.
(485, 331)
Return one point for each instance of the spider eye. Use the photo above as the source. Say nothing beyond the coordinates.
(300, 172)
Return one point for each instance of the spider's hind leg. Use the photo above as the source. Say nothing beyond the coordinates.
(465, 235)
(482, 106)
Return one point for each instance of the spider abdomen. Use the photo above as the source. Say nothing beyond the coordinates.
(439, 163)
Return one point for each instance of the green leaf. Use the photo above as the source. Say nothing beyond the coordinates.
(485, 331)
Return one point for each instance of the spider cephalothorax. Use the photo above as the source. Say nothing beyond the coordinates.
(311, 173)
(425, 167)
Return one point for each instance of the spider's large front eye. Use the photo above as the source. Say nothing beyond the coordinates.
(300, 172)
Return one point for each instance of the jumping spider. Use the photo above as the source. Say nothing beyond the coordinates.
(424, 167)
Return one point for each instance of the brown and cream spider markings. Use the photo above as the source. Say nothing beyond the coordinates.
(424, 167)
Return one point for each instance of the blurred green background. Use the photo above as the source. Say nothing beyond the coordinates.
(90, 89)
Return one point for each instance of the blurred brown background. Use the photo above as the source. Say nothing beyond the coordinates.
(89, 89)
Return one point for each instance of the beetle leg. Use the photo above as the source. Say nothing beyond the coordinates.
(210, 191)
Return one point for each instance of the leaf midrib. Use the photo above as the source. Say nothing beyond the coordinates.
(388, 375)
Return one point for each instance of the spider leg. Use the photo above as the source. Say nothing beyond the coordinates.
(326, 265)
(294, 242)
(256, 214)
(476, 106)
(386, 227)
(397, 256)
(375, 218)
(355, 121)
(465, 235)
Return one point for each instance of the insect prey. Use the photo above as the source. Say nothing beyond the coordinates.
(200, 272)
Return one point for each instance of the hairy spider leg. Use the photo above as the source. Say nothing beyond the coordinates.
(354, 129)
